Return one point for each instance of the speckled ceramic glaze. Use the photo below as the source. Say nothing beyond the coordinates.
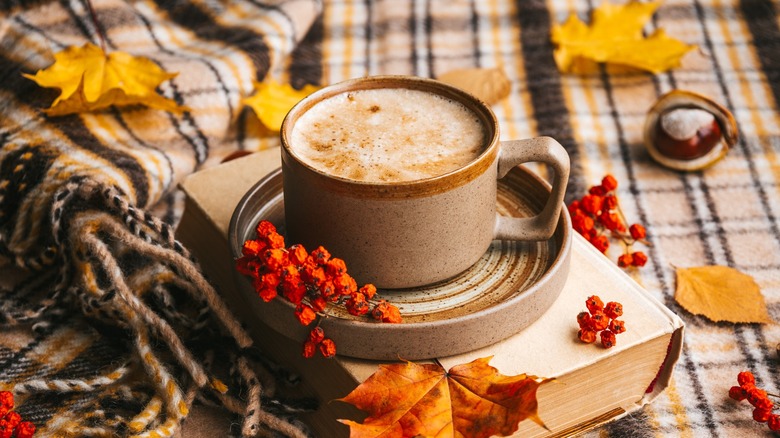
(509, 287)
(408, 234)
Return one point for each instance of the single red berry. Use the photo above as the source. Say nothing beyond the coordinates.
(737, 393)
(335, 267)
(638, 259)
(599, 321)
(609, 182)
(592, 204)
(594, 303)
(611, 221)
(586, 336)
(297, 254)
(746, 377)
(584, 321)
(267, 294)
(613, 309)
(582, 223)
(275, 240)
(608, 339)
(773, 422)
(25, 430)
(318, 303)
(316, 335)
(357, 305)
(328, 347)
(12, 419)
(266, 281)
(293, 288)
(313, 274)
(617, 326)
(574, 207)
(368, 290)
(600, 242)
(764, 403)
(248, 265)
(253, 247)
(610, 202)
(275, 259)
(6, 402)
(755, 395)
(305, 314)
(637, 231)
(328, 290)
(264, 229)
(625, 260)
(309, 348)
(761, 415)
(320, 256)
(597, 190)
(386, 312)
(345, 284)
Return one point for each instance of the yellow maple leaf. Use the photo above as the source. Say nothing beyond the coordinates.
(615, 36)
(90, 80)
(721, 293)
(272, 101)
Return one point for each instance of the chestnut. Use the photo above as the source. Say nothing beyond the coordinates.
(687, 131)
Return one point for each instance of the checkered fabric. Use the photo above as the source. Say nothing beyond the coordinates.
(111, 330)
(726, 215)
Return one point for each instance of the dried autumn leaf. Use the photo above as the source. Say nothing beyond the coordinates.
(90, 80)
(721, 294)
(488, 84)
(470, 401)
(272, 101)
(615, 36)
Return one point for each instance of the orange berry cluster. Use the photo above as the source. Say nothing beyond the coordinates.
(308, 280)
(762, 406)
(11, 424)
(602, 320)
(598, 213)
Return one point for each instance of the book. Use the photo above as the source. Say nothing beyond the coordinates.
(592, 385)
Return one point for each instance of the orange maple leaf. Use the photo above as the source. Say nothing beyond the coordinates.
(470, 401)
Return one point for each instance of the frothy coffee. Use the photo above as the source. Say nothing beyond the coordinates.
(387, 135)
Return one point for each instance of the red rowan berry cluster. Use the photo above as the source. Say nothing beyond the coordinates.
(11, 424)
(762, 406)
(601, 320)
(308, 280)
(598, 214)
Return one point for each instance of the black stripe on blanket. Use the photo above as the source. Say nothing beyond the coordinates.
(306, 60)
(761, 18)
(204, 26)
(544, 84)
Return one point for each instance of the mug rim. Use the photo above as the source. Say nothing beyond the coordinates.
(417, 187)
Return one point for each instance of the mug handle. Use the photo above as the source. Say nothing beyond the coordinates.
(546, 150)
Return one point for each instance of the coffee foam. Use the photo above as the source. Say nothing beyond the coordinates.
(387, 135)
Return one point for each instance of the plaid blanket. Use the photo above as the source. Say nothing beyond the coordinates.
(111, 330)
(727, 214)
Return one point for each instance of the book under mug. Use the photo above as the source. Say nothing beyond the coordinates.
(592, 385)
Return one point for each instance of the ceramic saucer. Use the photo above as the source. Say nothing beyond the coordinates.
(506, 290)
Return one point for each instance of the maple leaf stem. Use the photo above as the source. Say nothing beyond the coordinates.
(437, 362)
(93, 16)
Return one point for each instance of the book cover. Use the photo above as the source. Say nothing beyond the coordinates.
(592, 385)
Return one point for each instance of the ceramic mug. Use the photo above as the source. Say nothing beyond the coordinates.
(405, 234)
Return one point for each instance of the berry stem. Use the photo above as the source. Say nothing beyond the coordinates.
(624, 236)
